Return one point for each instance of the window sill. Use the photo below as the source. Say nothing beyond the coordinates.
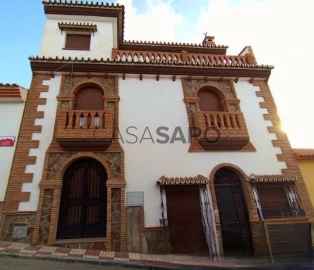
(75, 49)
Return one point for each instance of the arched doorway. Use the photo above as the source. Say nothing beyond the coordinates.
(233, 213)
(83, 206)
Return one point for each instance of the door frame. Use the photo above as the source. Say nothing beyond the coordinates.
(248, 196)
(86, 162)
(55, 184)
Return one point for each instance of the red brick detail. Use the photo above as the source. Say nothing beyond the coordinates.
(14, 194)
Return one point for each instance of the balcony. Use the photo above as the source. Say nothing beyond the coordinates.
(82, 129)
(221, 130)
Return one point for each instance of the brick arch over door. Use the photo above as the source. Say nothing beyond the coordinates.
(57, 192)
(249, 199)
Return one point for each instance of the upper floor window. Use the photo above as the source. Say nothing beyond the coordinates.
(78, 34)
(78, 41)
(209, 100)
(89, 98)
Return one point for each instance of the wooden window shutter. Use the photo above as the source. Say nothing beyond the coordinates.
(77, 42)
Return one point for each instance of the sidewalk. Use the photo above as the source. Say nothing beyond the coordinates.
(137, 260)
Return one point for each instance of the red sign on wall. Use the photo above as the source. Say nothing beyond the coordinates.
(7, 141)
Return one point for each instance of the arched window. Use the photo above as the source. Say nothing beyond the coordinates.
(89, 98)
(209, 100)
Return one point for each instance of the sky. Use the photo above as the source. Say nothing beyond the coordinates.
(279, 31)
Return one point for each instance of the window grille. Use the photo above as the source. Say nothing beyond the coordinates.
(277, 199)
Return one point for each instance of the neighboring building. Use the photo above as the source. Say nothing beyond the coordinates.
(12, 103)
(234, 188)
(305, 159)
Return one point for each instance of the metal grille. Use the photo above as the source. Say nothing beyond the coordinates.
(185, 222)
(279, 199)
(234, 220)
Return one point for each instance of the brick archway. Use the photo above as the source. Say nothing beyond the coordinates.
(50, 190)
(252, 212)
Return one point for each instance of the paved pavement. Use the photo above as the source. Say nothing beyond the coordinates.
(21, 263)
(23, 256)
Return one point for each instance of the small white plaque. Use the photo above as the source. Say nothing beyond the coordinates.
(20, 231)
(135, 198)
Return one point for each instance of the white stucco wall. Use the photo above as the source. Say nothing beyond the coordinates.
(45, 137)
(10, 120)
(160, 103)
(102, 41)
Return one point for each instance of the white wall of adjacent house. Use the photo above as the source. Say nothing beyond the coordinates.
(150, 103)
(102, 41)
(10, 120)
(44, 138)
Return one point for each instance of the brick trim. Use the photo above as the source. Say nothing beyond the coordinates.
(18, 177)
(282, 142)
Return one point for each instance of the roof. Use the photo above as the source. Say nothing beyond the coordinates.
(117, 11)
(304, 153)
(12, 93)
(150, 66)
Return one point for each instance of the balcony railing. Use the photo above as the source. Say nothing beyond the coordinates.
(85, 128)
(221, 130)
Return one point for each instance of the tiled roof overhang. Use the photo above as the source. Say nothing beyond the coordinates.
(86, 27)
(153, 67)
(170, 181)
(117, 11)
(304, 153)
(272, 178)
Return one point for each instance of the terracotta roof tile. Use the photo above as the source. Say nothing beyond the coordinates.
(197, 180)
(9, 85)
(66, 26)
(174, 44)
(150, 61)
(81, 4)
(304, 153)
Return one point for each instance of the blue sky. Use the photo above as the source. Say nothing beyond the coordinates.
(278, 30)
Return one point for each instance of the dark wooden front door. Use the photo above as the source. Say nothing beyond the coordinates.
(83, 206)
(235, 226)
(185, 220)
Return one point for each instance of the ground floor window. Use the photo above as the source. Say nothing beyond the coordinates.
(277, 199)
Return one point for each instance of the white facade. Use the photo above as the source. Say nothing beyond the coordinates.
(150, 103)
(11, 113)
(102, 41)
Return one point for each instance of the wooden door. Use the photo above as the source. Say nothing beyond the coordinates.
(185, 220)
(83, 206)
(234, 220)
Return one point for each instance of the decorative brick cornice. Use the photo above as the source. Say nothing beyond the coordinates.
(169, 181)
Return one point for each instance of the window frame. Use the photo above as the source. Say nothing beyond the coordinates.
(67, 47)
